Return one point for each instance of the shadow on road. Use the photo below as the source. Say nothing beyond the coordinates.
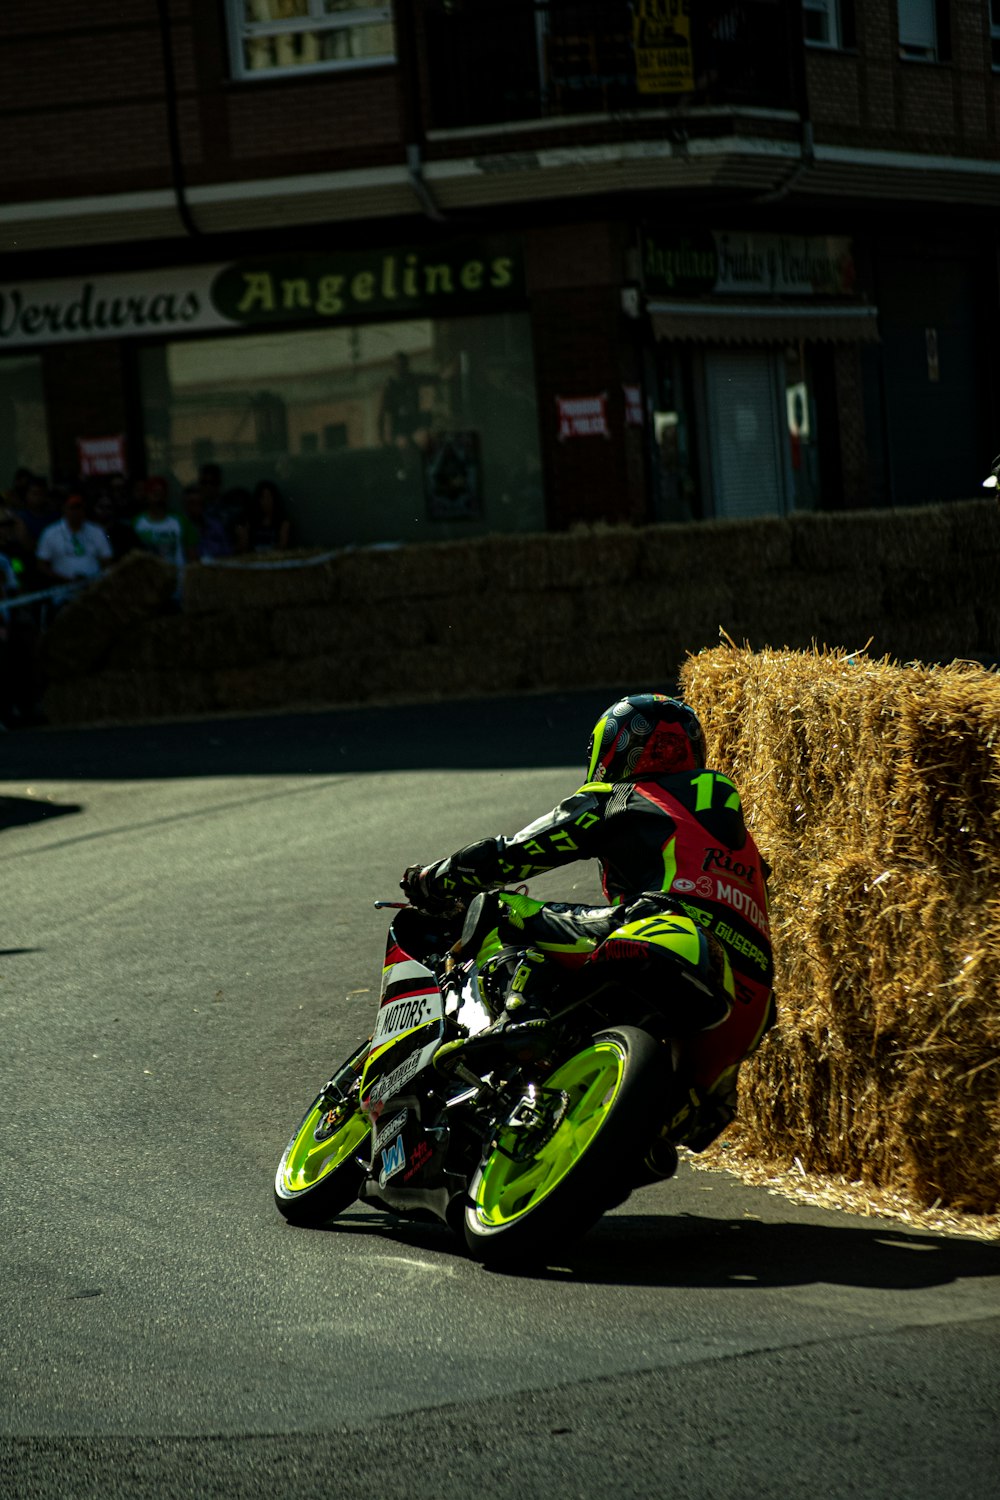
(641, 1250)
(545, 730)
(16, 812)
(691, 1251)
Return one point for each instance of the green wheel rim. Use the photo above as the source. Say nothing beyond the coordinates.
(509, 1189)
(308, 1161)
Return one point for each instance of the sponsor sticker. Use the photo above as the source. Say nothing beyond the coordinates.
(393, 1161)
(391, 1127)
(404, 1014)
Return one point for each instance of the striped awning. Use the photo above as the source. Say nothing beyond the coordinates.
(761, 323)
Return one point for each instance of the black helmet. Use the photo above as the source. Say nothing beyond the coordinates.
(645, 734)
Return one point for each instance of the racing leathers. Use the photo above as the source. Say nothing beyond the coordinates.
(668, 841)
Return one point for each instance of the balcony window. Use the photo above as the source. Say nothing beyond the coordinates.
(271, 38)
(924, 30)
(821, 22)
(830, 24)
(493, 62)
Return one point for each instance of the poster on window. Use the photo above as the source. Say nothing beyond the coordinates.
(453, 476)
(583, 416)
(664, 63)
(100, 455)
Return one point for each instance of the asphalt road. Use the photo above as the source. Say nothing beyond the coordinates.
(188, 946)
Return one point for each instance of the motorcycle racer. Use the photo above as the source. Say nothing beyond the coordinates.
(669, 836)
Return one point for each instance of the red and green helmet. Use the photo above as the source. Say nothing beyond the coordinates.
(645, 734)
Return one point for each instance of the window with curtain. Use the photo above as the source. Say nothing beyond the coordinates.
(275, 37)
(923, 30)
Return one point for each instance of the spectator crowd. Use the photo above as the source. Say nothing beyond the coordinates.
(52, 536)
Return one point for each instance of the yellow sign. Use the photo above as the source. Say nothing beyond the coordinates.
(662, 35)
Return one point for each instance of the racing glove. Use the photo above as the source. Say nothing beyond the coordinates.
(417, 887)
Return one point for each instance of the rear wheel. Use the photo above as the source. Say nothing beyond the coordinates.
(323, 1167)
(556, 1167)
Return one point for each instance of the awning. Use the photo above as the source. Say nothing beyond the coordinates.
(757, 323)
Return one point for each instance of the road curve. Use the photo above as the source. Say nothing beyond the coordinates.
(188, 946)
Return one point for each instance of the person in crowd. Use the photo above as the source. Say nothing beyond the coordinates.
(8, 588)
(16, 496)
(210, 484)
(72, 547)
(40, 508)
(16, 546)
(265, 526)
(157, 528)
(670, 838)
(118, 531)
(205, 531)
(119, 489)
(18, 637)
(399, 412)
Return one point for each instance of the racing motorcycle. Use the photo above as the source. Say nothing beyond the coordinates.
(530, 1145)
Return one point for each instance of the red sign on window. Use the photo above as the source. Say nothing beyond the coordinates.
(105, 455)
(583, 416)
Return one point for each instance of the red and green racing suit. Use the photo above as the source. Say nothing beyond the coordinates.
(682, 836)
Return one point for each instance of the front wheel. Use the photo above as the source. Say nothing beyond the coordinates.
(322, 1169)
(555, 1180)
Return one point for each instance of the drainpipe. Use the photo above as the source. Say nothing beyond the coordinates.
(418, 182)
(173, 128)
(807, 159)
(807, 156)
(409, 83)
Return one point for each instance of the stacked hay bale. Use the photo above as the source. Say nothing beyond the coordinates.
(86, 630)
(874, 790)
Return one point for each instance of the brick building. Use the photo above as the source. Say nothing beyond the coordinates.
(452, 266)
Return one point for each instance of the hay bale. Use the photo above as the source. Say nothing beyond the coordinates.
(916, 537)
(605, 554)
(328, 629)
(83, 632)
(710, 549)
(874, 790)
(123, 697)
(198, 643)
(252, 584)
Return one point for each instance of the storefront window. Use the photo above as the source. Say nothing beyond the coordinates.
(677, 494)
(281, 36)
(403, 431)
(800, 411)
(24, 437)
(735, 431)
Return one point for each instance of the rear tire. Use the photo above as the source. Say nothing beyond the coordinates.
(517, 1209)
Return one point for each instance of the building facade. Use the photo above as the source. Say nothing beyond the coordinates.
(449, 267)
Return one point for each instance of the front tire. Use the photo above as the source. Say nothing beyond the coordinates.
(322, 1169)
(518, 1207)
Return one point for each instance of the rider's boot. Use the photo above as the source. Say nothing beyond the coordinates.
(521, 1030)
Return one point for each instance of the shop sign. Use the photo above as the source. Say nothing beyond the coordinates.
(583, 416)
(101, 455)
(459, 277)
(735, 263)
(314, 289)
(661, 31)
